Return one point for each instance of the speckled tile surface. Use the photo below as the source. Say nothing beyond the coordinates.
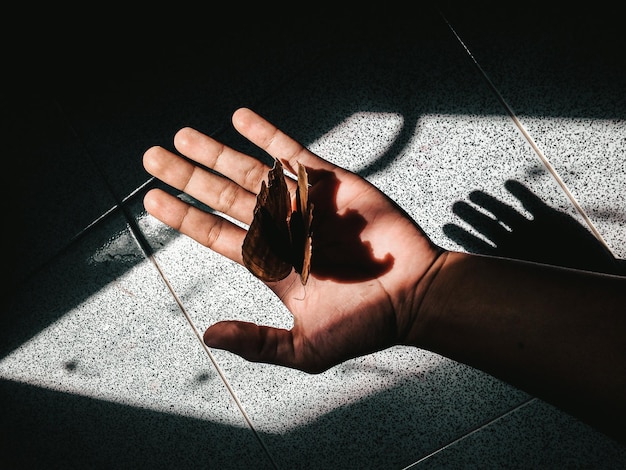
(588, 154)
(533, 436)
(378, 411)
(364, 412)
(98, 366)
(100, 370)
(565, 82)
(427, 130)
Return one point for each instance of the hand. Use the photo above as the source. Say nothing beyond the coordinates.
(539, 239)
(369, 264)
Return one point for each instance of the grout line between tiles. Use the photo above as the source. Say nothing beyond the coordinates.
(219, 370)
(148, 252)
(531, 142)
(134, 227)
(472, 432)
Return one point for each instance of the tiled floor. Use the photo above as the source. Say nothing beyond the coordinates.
(99, 367)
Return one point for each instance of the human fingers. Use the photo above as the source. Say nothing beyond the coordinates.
(259, 343)
(268, 137)
(322, 174)
(502, 211)
(467, 240)
(531, 202)
(248, 172)
(212, 231)
(215, 191)
(483, 223)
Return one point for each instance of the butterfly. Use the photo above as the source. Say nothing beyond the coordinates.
(279, 237)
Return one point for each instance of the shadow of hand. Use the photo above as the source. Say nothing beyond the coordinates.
(551, 236)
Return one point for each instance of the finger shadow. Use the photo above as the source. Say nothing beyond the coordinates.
(550, 236)
(338, 251)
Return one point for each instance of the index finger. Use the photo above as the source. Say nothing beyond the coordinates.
(268, 137)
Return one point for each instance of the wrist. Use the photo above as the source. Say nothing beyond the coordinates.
(419, 310)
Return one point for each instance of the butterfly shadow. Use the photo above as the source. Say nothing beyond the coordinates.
(339, 253)
(550, 237)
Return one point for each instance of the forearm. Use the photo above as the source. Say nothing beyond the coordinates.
(558, 334)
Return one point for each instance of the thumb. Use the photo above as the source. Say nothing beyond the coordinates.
(253, 342)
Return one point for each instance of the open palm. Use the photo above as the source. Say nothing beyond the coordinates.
(368, 256)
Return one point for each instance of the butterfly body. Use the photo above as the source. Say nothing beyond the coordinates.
(279, 237)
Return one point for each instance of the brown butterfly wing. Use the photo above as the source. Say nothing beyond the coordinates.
(266, 248)
(300, 227)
